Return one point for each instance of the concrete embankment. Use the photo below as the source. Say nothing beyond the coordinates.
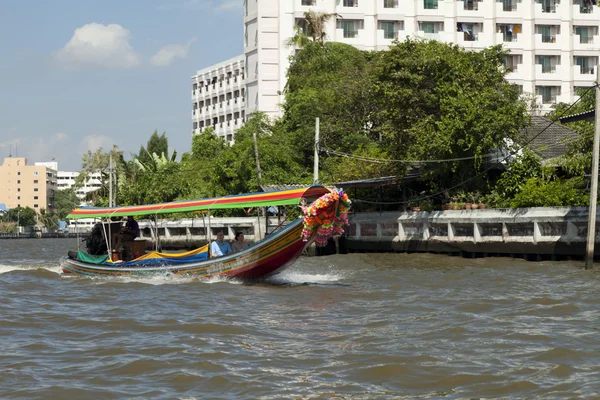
(531, 233)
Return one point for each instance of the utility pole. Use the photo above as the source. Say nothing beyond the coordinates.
(591, 239)
(110, 179)
(258, 173)
(316, 166)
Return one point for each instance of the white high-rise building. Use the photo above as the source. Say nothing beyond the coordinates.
(218, 98)
(554, 45)
(66, 180)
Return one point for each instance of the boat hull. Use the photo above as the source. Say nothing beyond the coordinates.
(265, 258)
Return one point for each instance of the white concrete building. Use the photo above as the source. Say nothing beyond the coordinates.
(554, 45)
(66, 180)
(218, 98)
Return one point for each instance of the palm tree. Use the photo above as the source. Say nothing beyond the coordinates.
(48, 220)
(314, 28)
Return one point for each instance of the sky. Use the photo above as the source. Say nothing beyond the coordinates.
(76, 75)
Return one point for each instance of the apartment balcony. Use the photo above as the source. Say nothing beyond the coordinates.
(583, 13)
(509, 9)
(590, 43)
(516, 73)
(554, 72)
(350, 37)
(304, 5)
(548, 42)
(550, 11)
(386, 41)
(472, 9)
(584, 74)
(440, 36)
(511, 42)
(469, 40)
(443, 9)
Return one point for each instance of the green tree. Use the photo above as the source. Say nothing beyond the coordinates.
(440, 101)
(48, 220)
(25, 216)
(198, 166)
(156, 145)
(332, 82)
(65, 201)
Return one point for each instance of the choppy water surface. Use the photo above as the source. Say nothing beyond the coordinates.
(362, 326)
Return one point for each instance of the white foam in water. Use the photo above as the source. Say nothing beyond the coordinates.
(156, 280)
(296, 277)
(9, 268)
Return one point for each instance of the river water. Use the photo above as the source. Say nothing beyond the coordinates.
(358, 326)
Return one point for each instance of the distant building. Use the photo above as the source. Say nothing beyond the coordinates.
(66, 180)
(218, 98)
(23, 185)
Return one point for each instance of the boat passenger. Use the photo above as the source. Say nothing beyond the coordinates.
(219, 247)
(128, 233)
(239, 244)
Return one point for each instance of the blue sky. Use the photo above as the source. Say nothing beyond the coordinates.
(76, 75)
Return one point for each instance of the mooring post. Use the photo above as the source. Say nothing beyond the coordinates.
(591, 239)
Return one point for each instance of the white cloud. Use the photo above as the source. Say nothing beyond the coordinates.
(60, 137)
(99, 45)
(169, 53)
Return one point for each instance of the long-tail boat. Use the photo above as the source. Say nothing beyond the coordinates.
(324, 214)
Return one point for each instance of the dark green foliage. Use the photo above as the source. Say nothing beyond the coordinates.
(64, 202)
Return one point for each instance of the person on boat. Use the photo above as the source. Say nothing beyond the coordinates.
(239, 244)
(128, 233)
(220, 247)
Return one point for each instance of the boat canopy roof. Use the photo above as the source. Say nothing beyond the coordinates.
(259, 199)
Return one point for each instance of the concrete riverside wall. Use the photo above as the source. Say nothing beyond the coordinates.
(532, 233)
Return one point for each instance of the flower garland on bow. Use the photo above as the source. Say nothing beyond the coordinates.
(326, 216)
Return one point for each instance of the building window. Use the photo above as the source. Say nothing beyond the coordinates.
(586, 34)
(18, 189)
(509, 32)
(548, 63)
(389, 29)
(547, 93)
(350, 3)
(430, 4)
(586, 64)
(548, 32)
(350, 27)
(35, 173)
(18, 182)
(18, 197)
(34, 189)
(35, 206)
(19, 173)
(548, 6)
(35, 181)
(35, 197)
(509, 5)
(390, 3)
(308, 2)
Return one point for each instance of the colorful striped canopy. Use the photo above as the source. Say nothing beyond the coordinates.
(266, 199)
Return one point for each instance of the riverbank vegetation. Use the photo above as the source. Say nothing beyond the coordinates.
(444, 116)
